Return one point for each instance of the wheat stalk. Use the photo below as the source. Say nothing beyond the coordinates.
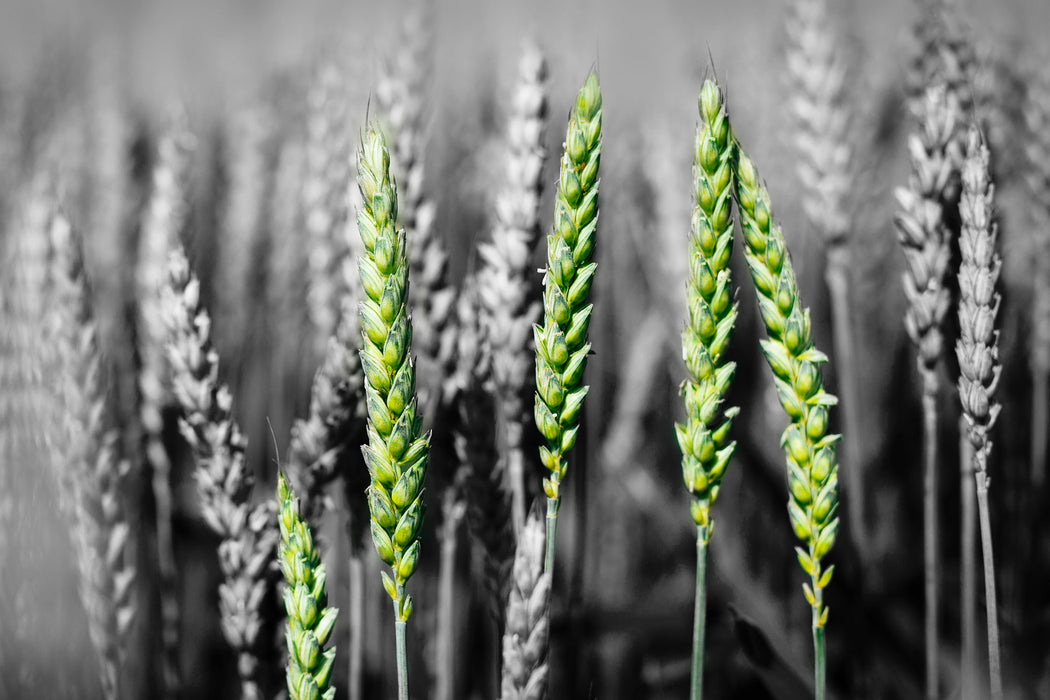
(525, 641)
(561, 342)
(823, 120)
(86, 449)
(163, 219)
(224, 481)
(923, 235)
(509, 304)
(978, 353)
(704, 437)
(397, 451)
(795, 362)
(310, 621)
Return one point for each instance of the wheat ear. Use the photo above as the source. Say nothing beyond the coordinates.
(525, 641)
(561, 342)
(811, 452)
(923, 235)
(978, 353)
(509, 306)
(310, 621)
(397, 449)
(164, 217)
(224, 481)
(85, 448)
(712, 311)
(819, 77)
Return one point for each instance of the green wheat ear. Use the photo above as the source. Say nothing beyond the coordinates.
(704, 437)
(396, 453)
(811, 452)
(310, 620)
(561, 342)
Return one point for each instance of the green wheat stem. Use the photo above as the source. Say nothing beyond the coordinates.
(812, 459)
(696, 680)
(561, 342)
(402, 658)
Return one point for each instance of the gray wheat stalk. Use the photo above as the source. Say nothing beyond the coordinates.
(817, 65)
(978, 353)
(811, 452)
(525, 641)
(87, 450)
(224, 481)
(923, 235)
(162, 221)
(402, 94)
(509, 306)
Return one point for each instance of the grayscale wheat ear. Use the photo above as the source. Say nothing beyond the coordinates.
(224, 481)
(86, 449)
(978, 353)
(526, 639)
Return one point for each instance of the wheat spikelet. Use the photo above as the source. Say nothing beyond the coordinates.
(561, 342)
(978, 353)
(86, 450)
(525, 641)
(811, 452)
(224, 482)
(508, 305)
(402, 94)
(310, 620)
(163, 219)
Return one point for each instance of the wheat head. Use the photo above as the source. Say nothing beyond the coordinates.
(525, 641)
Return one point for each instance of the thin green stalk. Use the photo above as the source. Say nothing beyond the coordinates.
(929, 520)
(968, 564)
(552, 533)
(402, 656)
(819, 661)
(561, 342)
(994, 665)
(696, 681)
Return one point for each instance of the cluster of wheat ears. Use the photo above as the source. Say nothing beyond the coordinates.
(462, 402)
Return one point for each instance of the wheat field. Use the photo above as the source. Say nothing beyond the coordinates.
(475, 350)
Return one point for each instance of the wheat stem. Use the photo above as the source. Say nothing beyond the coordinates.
(995, 672)
(929, 526)
(696, 678)
(402, 656)
(968, 566)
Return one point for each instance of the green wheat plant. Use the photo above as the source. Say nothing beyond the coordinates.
(397, 449)
(310, 621)
(978, 353)
(924, 237)
(712, 311)
(811, 452)
(224, 481)
(561, 341)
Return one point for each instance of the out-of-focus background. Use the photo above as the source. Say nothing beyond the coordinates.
(623, 594)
